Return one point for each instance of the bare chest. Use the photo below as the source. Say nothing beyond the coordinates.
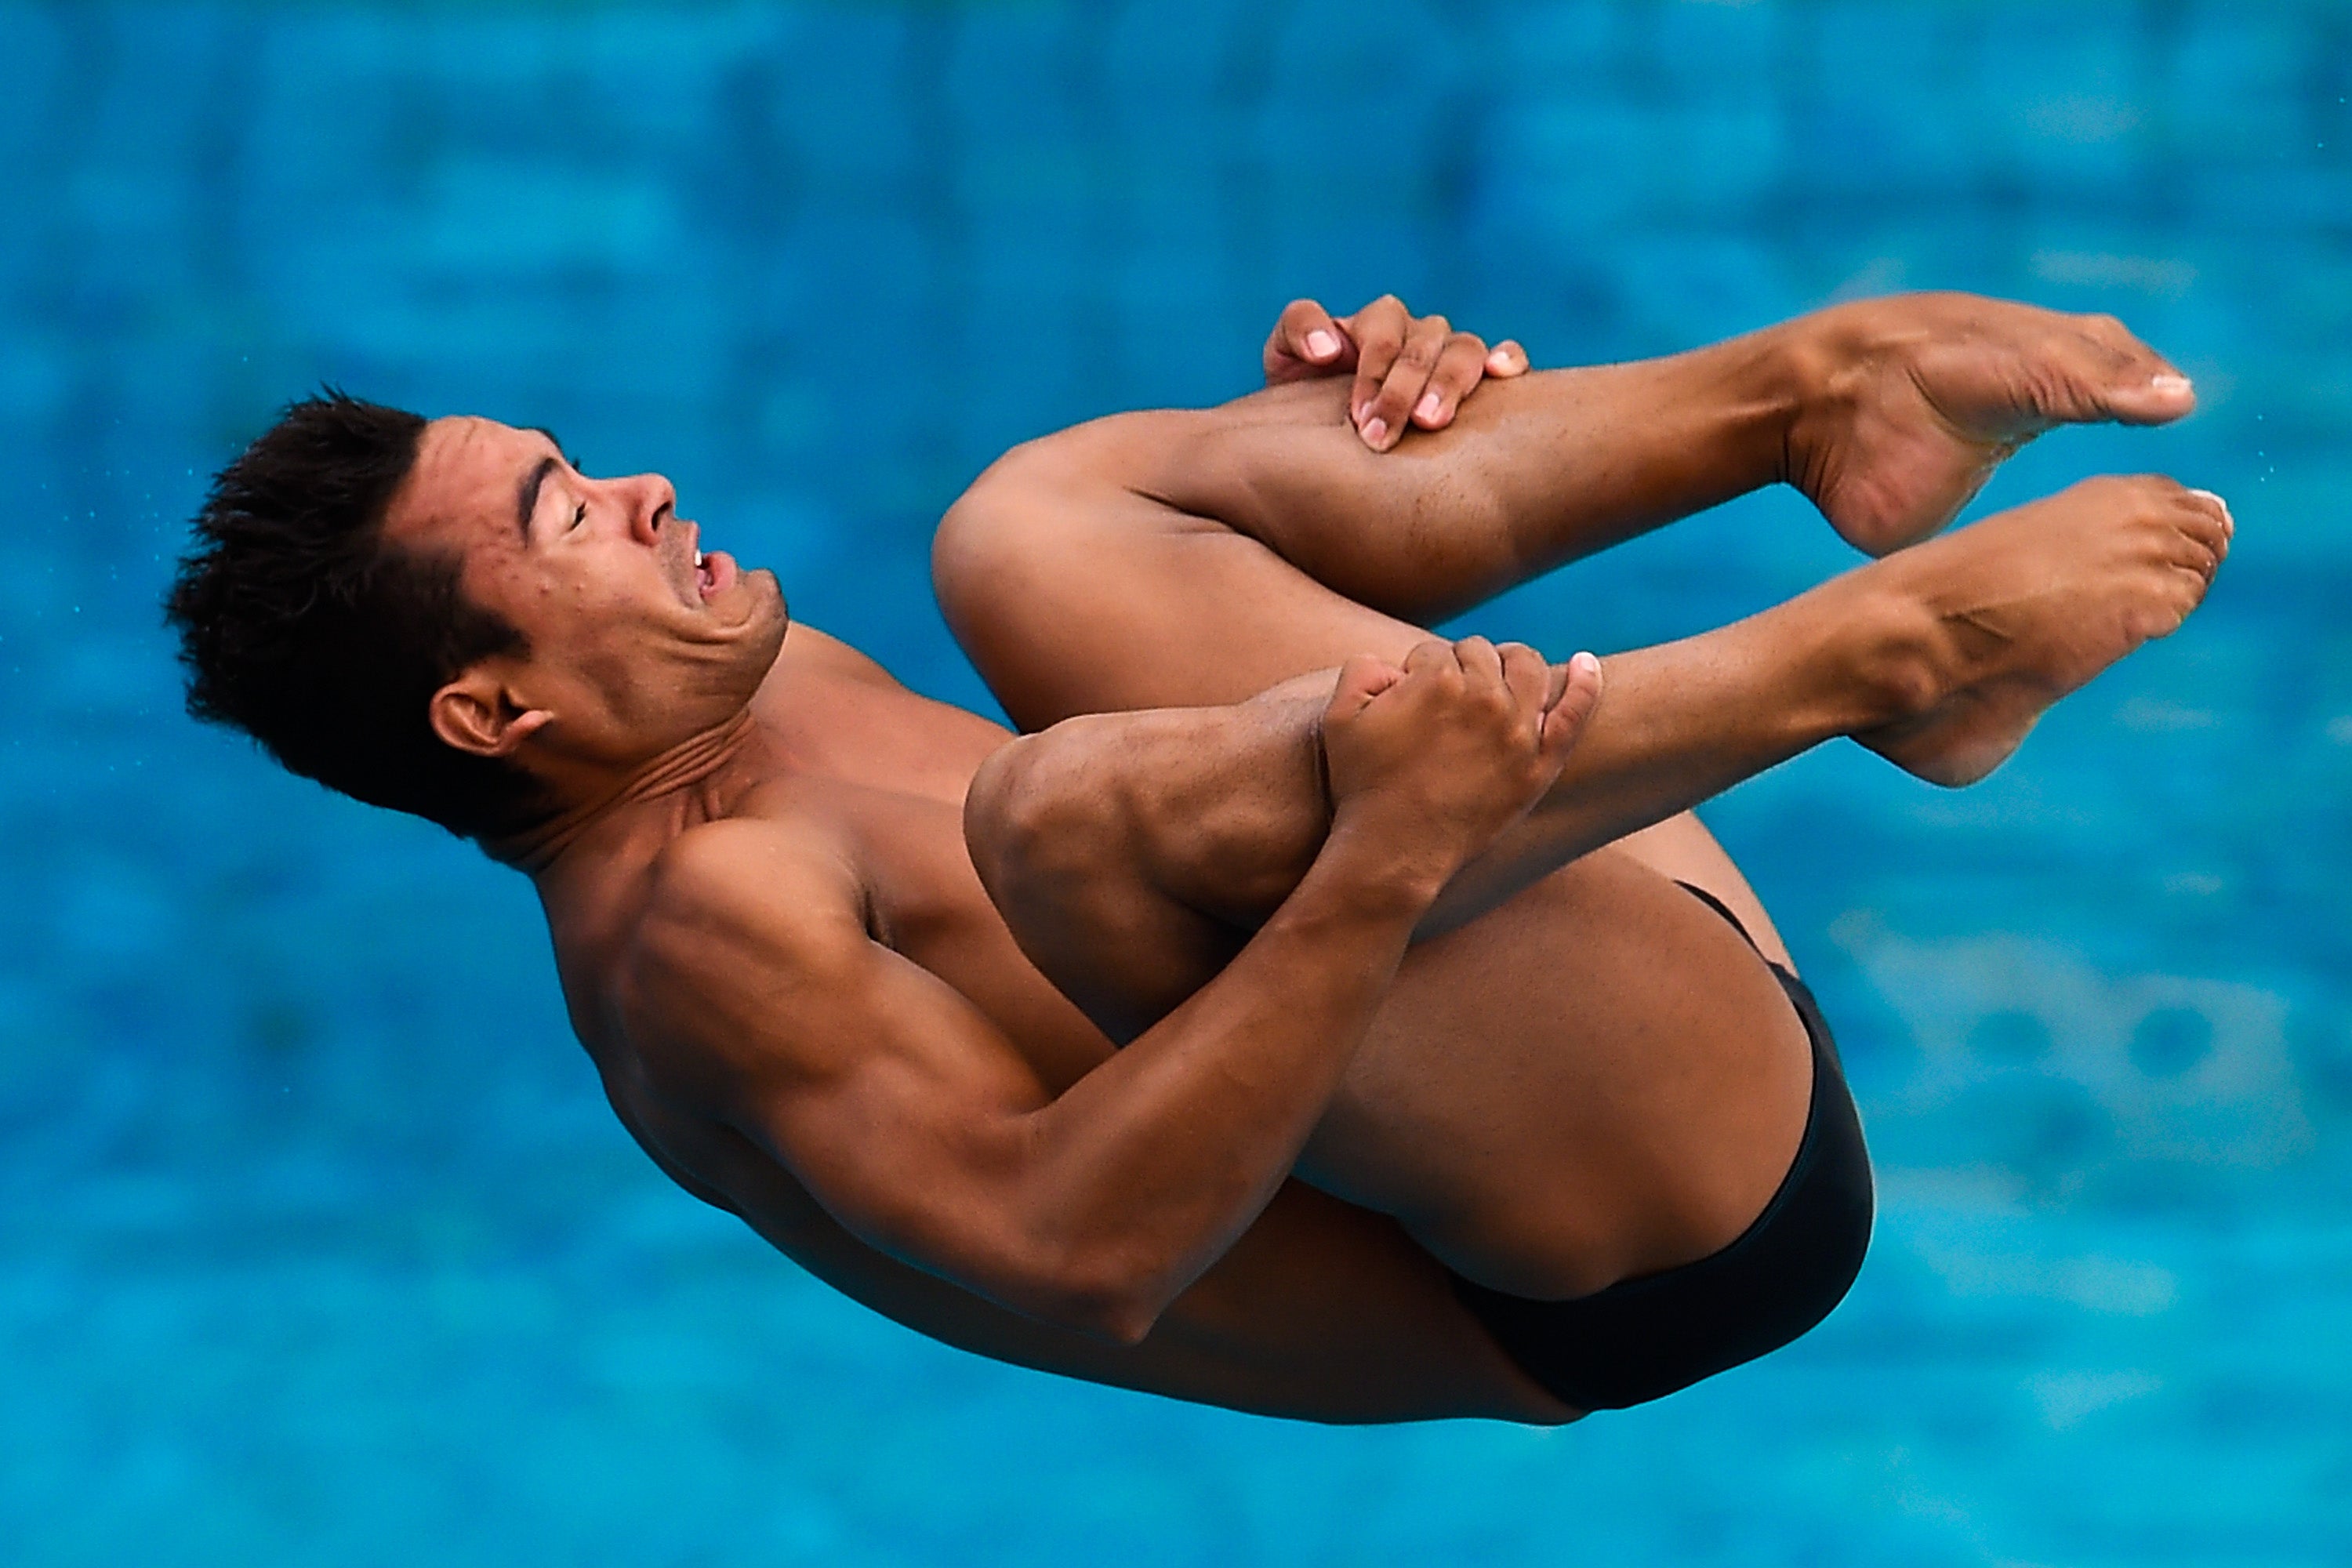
(881, 777)
(885, 771)
(928, 906)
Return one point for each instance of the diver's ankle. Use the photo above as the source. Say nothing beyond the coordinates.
(1881, 655)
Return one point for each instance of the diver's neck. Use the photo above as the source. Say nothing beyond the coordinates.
(680, 777)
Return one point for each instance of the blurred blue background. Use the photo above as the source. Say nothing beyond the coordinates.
(317, 1243)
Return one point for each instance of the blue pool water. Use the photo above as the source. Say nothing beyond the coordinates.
(317, 1244)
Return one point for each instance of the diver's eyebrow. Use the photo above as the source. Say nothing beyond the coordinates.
(527, 496)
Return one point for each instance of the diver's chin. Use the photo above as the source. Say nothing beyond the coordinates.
(777, 611)
(781, 609)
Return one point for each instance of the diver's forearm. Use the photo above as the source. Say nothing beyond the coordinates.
(1155, 1161)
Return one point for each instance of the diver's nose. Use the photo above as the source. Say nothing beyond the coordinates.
(652, 501)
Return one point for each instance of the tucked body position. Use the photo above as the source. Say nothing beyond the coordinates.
(1303, 1014)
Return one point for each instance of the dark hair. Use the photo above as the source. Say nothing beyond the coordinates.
(302, 627)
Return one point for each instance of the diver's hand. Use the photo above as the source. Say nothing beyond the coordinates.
(1429, 763)
(1408, 367)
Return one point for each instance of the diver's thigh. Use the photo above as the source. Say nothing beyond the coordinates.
(1330, 1312)
(1111, 615)
(1682, 849)
(1599, 1077)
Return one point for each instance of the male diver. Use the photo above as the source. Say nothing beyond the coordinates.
(1307, 1015)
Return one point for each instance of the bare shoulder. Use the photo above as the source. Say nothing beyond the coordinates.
(746, 922)
(810, 648)
(756, 868)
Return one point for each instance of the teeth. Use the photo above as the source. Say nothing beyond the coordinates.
(698, 558)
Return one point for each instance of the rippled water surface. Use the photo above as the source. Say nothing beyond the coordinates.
(317, 1243)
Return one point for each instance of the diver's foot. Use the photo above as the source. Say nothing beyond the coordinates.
(1913, 401)
(2030, 604)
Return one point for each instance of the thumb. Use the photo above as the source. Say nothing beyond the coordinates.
(1506, 359)
(1579, 695)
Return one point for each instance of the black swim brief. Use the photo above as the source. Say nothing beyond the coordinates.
(1644, 1339)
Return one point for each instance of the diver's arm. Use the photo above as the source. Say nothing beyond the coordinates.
(912, 1120)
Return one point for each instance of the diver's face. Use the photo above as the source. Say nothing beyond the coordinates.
(638, 638)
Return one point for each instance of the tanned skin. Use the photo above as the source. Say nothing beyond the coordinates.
(1396, 970)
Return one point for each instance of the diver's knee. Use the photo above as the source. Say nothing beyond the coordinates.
(1191, 805)
(1038, 820)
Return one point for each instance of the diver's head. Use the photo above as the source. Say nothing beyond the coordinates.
(450, 619)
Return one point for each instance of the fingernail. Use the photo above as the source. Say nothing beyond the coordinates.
(1375, 432)
(1585, 663)
(1428, 408)
(1321, 344)
(2217, 500)
(2168, 384)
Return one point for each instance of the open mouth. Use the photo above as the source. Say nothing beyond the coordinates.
(712, 572)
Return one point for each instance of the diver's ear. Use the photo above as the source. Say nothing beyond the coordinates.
(478, 715)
